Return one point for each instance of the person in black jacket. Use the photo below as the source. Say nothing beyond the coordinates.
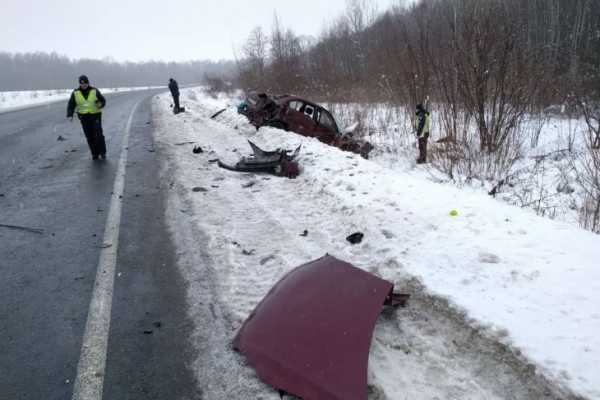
(174, 88)
(88, 102)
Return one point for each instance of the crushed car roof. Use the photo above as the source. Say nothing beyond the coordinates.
(310, 335)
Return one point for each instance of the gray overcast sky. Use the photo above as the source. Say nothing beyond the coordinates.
(141, 30)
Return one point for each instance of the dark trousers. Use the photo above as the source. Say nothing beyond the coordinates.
(176, 100)
(423, 147)
(92, 127)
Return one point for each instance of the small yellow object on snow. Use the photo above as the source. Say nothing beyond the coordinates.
(454, 213)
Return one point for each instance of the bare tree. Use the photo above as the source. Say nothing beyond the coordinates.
(253, 62)
(413, 54)
(285, 59)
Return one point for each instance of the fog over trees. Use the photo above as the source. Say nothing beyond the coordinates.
(464, 49)
(43, 71)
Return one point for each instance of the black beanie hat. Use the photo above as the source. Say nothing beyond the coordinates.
(170, 79)
(419, 106)
(84, 79)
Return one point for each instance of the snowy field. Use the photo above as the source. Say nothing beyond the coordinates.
(548, 175)
(505, 304)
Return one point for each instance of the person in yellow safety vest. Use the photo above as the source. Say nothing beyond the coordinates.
(422, 127)
(88, 103)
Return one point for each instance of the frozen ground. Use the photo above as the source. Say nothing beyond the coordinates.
(505, 304)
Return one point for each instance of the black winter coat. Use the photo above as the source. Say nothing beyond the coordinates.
(174, 88)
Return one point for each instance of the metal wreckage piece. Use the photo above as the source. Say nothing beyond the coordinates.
(302, 116)
(279, 162)
(310, 335)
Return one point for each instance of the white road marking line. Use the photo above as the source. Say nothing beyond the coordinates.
(92, 362)
(19, 130)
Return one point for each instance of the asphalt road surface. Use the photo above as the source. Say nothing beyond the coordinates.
(92, 221)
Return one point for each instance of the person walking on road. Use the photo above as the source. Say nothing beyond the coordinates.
(88, 103)
(422, 127)
(174, 88)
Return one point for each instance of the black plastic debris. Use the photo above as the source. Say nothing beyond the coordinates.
(305, 233)
(35, 230)
(279, 162)
(61, 138)
(266, 259)
(217, 113)
(197, 150)
(355, 238)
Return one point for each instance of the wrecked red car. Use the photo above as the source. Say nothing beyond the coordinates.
(297, 114)
(310, 335)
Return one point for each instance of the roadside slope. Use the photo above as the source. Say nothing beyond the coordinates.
(480, 282)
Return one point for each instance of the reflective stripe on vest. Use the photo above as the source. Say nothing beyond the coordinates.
(426, 126)
(86, 106)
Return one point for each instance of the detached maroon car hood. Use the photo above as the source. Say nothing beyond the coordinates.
(310, 335)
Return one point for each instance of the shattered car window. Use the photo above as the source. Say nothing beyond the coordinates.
(302, 107)
(327, 119)
(337, 123)
(309, 111)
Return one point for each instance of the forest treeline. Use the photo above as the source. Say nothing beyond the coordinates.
(494, 72)
(461, 51)
(43, 71)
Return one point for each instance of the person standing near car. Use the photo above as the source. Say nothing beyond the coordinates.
(174, 88)
(88, 103)
(422, 127)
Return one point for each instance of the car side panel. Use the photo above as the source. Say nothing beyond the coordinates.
(299, 123)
